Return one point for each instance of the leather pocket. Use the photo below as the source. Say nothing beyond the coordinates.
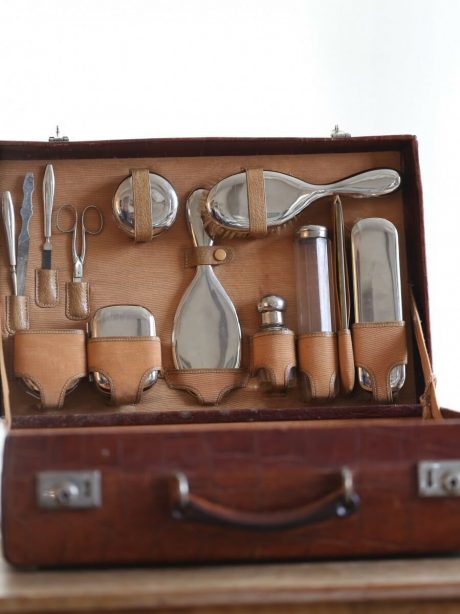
(77, 300)
(51, 362)
(124, 367)
(17, 313)
(273, 358)
(208, 386)
(318, 365)
(46, 287)
(379, 347)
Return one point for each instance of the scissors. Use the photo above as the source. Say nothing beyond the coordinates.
(88, 226)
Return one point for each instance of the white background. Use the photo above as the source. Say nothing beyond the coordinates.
(111, 69)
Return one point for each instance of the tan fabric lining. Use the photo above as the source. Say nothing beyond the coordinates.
(152, 274)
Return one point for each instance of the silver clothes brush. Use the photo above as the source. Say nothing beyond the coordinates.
(225, 210)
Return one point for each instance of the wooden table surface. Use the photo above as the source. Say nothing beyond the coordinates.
(407, 586)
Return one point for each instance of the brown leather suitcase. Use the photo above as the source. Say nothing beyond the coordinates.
(257, 476)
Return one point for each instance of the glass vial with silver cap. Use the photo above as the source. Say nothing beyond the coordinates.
(315, 292)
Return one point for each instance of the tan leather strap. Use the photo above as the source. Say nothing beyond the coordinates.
(256, 203)
(209, 386)
(52, 360)
(428, 399)
(143, 220)
(126, 362)
(378, 348)
(214, 255)
(274, 352)
(318, 362)
(346, 360)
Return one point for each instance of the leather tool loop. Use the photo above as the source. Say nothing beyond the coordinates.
(142, 201)
(318, 362)
(378, 348)
(256, 203)
(274, 352)
(195, 256)
(46, 287)
(77, 300)
(17, 313)
(346, 360)
(53, 360)
(428, 399)
(126, 362)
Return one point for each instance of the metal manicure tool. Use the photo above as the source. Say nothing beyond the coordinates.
(18, 267)
(48, 200)
(24, 236)
(10, 232)
(88, 226)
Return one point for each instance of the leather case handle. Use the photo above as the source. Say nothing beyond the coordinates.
(339, 503)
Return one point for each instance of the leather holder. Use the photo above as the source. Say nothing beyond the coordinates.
(17, 313)
(77, 300)
(378, 348)
(273, 353)
(53, 361)
(46, 287)
(317, 355)
(126, 362)
(214, 255)
(346, 360)
(209, 386)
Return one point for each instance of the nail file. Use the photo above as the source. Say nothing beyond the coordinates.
(10, 235)
(48, 199)
(24, 237)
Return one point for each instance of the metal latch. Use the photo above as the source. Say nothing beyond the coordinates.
(339, 134)
(58, 138)
(69, 489)
(439, 478)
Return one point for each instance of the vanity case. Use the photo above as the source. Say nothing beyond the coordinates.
(210, 466)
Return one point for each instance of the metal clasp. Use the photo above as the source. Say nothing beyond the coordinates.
(69, 489)
(439, 478)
